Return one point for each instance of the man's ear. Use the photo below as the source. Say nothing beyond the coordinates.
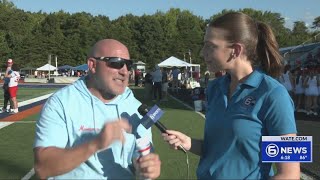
(92, 64)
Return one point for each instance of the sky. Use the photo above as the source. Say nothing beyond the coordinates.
(291, 10)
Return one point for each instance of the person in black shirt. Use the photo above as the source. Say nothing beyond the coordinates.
(148, 85)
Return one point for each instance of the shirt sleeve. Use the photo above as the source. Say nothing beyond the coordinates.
(51, 129)
(279, 113)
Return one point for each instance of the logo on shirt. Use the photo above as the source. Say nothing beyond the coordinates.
(87, 129)
(249, 101)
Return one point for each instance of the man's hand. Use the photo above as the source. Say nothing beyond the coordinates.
(111, 132)
(149, 166)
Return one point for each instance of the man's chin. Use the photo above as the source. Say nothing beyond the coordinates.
(119, 91)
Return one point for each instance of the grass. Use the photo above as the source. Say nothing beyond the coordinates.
(176, 117)
(16, 156)
(28, 93)
(16, 140)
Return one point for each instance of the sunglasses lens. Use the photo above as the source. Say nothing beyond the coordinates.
(116, 65)
(129, 64)
(120, 64)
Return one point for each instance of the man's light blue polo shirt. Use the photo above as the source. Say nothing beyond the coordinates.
(73, 116)
(233, 128)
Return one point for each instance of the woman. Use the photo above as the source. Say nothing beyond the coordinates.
(311, 92)
(243, 105)
(286, 79)
(299, 90)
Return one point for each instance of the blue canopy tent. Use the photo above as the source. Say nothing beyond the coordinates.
(82, 67)
(65, 67)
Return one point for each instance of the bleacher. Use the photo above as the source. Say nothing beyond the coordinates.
(300, 53)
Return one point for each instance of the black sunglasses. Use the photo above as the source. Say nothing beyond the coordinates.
(116, 62)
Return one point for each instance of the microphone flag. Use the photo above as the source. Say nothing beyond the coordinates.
(153, 115)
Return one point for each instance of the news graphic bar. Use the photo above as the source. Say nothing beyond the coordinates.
(286, 149)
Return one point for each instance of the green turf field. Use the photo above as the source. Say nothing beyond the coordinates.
(176, 117)
(16, 158)
(16, 140)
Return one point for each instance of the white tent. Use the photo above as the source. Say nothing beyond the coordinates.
(140, 63)
(46, 67)
(173, 61)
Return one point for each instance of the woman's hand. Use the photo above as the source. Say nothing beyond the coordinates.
(176, 138)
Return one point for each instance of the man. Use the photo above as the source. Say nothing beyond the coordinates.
(12, 85)
(175, 79)
(148, 85)
(6, 94)
(81, 132)
(157, 83)
(165, 84)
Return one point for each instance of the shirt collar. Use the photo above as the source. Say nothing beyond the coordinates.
(253, 80)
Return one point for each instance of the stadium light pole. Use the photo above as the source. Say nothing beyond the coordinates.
(56, 71)
(190, 61)
(49, 62)
(189, 52)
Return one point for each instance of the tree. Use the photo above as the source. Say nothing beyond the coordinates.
(151, 40)
(30, 37)
(125, 29)
(4, 48)
(316, 23)
(300, 33)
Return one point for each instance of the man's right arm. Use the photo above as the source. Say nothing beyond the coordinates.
(52, 157)
(53, 161)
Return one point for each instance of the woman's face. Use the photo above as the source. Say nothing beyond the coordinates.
(216, 51)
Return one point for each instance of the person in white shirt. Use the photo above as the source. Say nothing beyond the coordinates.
(175, 79)
(157, 83)
(13, 85)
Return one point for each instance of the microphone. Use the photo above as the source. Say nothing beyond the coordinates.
(151, 117)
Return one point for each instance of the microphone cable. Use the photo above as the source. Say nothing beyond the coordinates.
(187, 158)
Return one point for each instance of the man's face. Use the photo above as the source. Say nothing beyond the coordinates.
(110, 81)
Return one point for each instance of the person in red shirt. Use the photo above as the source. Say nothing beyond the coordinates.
(137, 76)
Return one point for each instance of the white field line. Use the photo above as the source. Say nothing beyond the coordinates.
(25, 122)
(4, 124)
(23, 103)
(29, 175)
(302, 176)
(29, 101)
(189, 107)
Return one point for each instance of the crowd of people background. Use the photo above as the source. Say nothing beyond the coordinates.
(303, 84)
(156, 81)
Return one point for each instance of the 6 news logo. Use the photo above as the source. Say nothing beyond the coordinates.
(286, 148)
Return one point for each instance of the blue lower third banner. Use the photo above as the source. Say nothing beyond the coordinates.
(286, 149)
